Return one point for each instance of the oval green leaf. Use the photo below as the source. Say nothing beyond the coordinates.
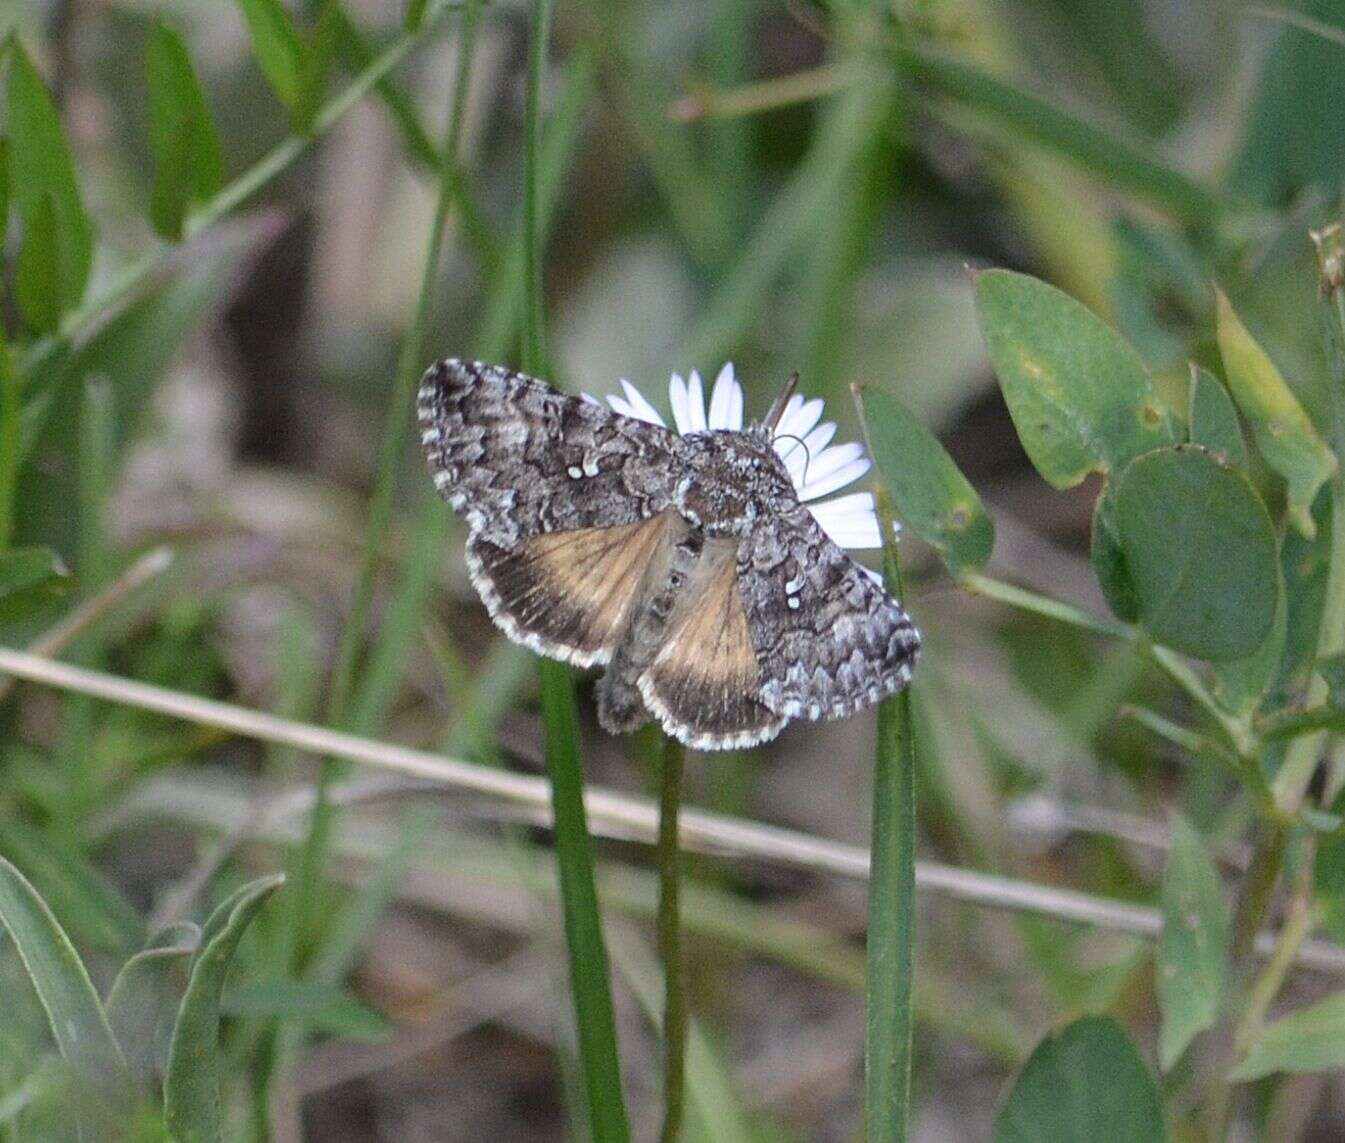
(1200, 551)
(192, 1083)
(927, 489)
(1214, 418)
(1283, 432)
(1079, 396)
(57, 251)
(1310, 1040)
(1240, 683)
(1082, 1085)
(1191, 951)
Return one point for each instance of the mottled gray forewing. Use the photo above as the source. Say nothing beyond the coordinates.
(516, 458)
(829, 640)
(565, 501)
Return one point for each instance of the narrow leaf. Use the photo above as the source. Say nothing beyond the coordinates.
(927, 489)
(144, 997)
(326, 1007)
(1310, 1040)
(317, 55)
(30, 578)
(1079, 396)
(1284, 435)
(192, 1083)
(1126, 165)
(57, 251)
(187, 164)
(275, 44)
(1083, 1084)
(1191, 953)
(78, 1023)
(1200, 551)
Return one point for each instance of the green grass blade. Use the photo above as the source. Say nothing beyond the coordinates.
(78, 1022)
(891, 941)
(192, 1082)
(1024, 116)
(590, 984)
(11, 437)
(396, 429)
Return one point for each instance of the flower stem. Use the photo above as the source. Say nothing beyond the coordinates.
(670, 941)
(891, 928)
(1300, 760)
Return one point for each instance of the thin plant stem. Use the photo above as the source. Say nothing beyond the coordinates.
(1302, 755)
(1238, 731)
(1300, 919)
(891, 929)
(670, 940)
(395, 432)
(1249, 911)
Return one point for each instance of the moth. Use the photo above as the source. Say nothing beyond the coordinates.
(686, 565)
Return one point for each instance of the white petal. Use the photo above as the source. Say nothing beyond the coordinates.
(620, 405)
(696, 403)
(639, 405)
(725, 400)
(590, 398)
(677, 397)
(850, 520)
(847, 473)
(828, 460)
(799, 419)
(736, 409)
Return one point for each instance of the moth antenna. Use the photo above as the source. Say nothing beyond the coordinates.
(807, 452)
(778, 408)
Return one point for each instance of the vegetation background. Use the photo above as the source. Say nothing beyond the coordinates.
(272, 217)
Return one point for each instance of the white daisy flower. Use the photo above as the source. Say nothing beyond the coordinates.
(815, 465)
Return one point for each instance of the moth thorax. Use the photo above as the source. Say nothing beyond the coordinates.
(729, 480)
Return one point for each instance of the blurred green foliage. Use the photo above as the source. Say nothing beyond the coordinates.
(794, 186)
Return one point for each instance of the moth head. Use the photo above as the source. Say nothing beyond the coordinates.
(730, 480)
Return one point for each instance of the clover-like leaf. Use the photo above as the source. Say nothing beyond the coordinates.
(927, 488)
(1284, 434)
(1200, 551)
(1081, 1085)
(1079, 396)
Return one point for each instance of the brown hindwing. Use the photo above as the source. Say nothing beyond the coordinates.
(568, 594)
(704, 682)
